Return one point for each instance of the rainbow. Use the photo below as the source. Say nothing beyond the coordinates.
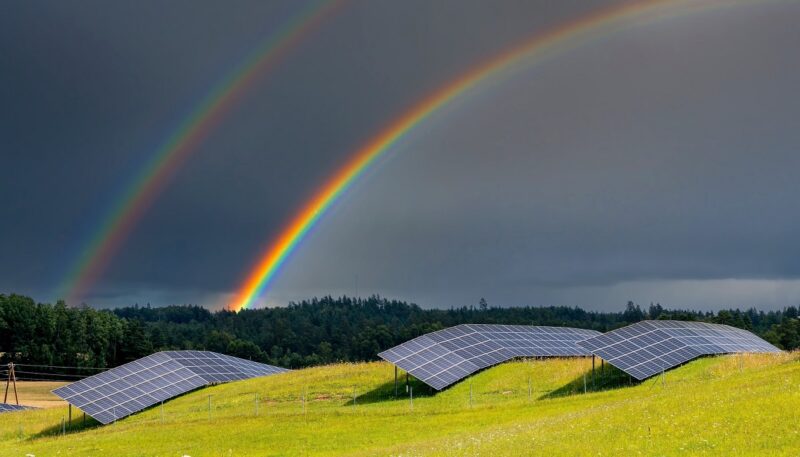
(150, 181)
(533, 50)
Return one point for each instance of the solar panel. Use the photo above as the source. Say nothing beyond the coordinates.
(129, 388)
(7, 407)
(442, 358)
(647, 348)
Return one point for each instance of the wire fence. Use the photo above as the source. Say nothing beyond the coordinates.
(315, 401)
(312, 401)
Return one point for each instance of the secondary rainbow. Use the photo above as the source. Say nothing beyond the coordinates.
(166, 161)
(535, 49)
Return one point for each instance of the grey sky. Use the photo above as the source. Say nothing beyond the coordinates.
(656, 164)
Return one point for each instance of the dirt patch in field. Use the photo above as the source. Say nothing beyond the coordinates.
(34, 393)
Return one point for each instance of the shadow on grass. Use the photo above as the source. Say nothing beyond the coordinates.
(82, 422)
(386, 392)
(79, 424)
(607, 378)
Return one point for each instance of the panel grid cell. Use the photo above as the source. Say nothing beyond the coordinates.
(648, 348)
(137, 385)
(444, 357)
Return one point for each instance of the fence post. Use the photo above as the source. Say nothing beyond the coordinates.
(584, 383)
(411, 396)
(209, 407)
(63, 428)
(162, 411)
(354, 396)
(255, 399)
(529, 389)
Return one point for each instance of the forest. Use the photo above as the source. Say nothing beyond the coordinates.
(310, 332)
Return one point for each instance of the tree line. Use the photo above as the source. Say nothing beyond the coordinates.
(310, 332)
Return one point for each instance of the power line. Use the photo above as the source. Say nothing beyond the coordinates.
(52, 374)
(58, 366)
(41, 379)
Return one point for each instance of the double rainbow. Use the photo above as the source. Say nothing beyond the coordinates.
(533, 50)
(139, 195)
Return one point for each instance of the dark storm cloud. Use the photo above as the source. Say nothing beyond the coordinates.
(661, 154)
(655, 164)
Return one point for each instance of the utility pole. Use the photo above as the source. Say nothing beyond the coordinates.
(12, 379)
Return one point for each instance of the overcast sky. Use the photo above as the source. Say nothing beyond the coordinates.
(655, 164)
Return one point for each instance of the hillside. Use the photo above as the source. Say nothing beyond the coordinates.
(730, 405)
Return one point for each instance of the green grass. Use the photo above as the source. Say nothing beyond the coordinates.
(731, 405)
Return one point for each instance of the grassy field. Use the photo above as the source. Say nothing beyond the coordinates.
(731, 405)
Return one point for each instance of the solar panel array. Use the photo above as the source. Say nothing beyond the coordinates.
(442, 358)
(7, 407)
(647, 348)
(137, 385)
